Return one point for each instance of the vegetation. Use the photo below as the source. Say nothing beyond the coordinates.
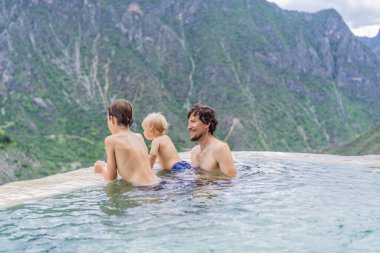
(5, 140)
(278, 79)
(367, 143)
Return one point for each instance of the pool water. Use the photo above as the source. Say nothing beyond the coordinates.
(272, 206)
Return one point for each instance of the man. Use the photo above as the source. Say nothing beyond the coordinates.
(211, 154)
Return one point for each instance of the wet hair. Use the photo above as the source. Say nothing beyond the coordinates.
(121, 110)
(156, 120)
(206, 114)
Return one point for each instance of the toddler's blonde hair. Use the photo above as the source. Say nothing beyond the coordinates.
(156, 120)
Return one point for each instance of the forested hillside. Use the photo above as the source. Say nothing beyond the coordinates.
(280, 80)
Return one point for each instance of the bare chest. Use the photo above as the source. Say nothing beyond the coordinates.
(206, 161)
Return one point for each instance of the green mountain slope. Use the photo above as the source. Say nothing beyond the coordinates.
(16, 163)
(366, 144)
(280, 80)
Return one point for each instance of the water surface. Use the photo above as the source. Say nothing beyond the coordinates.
(272, 206)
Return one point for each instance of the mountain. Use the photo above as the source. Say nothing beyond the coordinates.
(15, 162)
(367, 143)
(280, 80)
(373, 43)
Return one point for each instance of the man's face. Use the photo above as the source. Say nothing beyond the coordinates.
(196, 128)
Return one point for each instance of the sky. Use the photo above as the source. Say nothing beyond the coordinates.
(362, 16)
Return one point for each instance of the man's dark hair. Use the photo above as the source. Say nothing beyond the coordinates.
(206, 114)
(121, 109)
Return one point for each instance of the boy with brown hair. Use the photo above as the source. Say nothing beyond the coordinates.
(155, 129)
(126, 151)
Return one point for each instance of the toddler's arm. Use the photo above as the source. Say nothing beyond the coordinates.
(153, 152)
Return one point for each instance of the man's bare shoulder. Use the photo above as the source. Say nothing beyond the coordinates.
(221, 146)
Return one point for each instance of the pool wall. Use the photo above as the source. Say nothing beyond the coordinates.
(28, 191)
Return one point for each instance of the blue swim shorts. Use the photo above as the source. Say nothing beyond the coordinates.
(181, 166)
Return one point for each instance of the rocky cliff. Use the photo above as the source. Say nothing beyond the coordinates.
(373, 43)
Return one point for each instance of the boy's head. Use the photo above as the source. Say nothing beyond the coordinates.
(121, 110)
(205, 114)
(155, 121)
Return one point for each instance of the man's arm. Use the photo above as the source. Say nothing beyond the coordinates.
(109, 169)
(223, 157)
(153, 152)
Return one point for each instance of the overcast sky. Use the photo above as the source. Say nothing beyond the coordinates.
(362, 16)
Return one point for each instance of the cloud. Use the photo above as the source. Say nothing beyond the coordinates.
(360, 15)
(368, 31)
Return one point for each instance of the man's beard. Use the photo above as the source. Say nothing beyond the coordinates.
(196, 137)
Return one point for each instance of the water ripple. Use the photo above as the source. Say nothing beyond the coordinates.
(272, 206)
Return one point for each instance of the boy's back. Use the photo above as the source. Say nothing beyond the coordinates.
(166, 151)
(126, 151)
(131, 158)
(155, 128)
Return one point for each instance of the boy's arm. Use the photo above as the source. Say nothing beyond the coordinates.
(109, 169)
(153, 152)
(224, 158)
